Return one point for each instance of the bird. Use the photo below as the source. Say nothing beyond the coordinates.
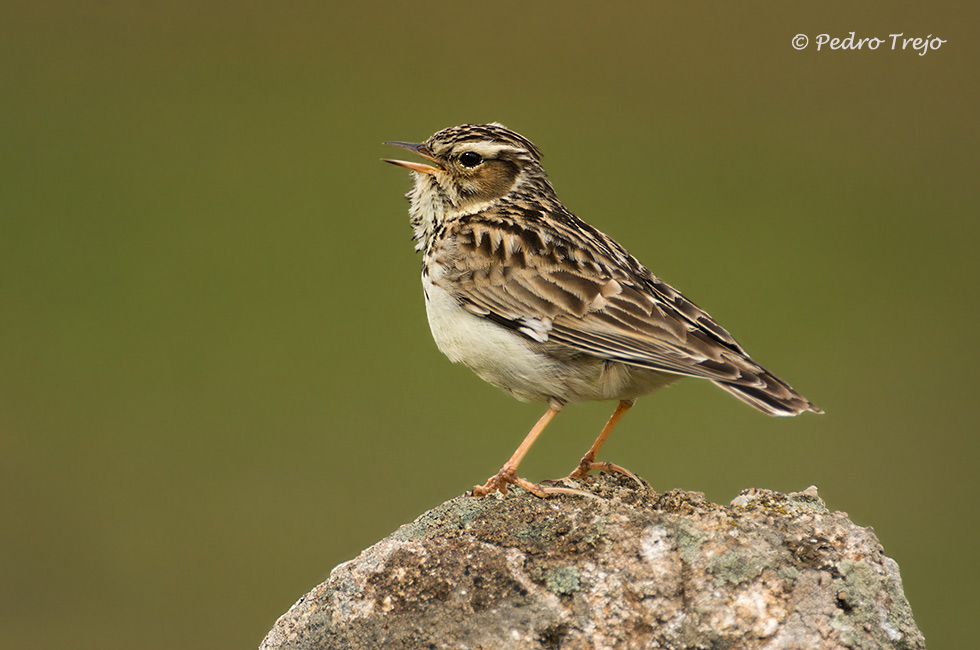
(544, 306)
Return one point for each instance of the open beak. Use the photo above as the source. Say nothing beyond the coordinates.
(417, 148)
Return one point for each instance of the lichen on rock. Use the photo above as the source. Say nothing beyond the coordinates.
(630, 569)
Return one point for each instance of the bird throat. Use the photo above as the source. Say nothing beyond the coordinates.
(434, 201)
(429, 206)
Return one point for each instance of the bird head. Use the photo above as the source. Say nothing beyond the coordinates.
(473, 165)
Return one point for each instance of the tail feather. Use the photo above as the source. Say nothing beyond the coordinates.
(774, 397)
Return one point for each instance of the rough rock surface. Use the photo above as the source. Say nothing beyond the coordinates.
(629, 569)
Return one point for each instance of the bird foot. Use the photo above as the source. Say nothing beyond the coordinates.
(506, 476)
(587, 465)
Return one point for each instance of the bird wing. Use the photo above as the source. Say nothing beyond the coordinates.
(570, 285)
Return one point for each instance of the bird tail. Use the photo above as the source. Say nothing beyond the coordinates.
(772, 396)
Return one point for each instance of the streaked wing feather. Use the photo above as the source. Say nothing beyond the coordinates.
(592, 306)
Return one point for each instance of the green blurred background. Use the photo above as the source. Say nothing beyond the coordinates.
(216, 376)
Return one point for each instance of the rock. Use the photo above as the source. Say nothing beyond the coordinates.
(629, 569)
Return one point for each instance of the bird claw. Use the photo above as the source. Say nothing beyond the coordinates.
(499, 482)
(588, 465)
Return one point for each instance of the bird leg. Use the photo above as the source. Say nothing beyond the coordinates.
(588, 461)
(508, 473)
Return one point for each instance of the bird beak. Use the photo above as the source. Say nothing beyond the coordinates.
(418, 148)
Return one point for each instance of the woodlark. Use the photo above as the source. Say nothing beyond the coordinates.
(544, 306)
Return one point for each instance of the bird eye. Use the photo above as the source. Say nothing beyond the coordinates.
(470, 159)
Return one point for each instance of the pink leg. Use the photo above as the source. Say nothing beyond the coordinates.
(588, 461)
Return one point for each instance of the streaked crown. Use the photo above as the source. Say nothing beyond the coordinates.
(493, 136)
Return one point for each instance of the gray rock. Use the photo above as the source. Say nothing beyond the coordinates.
(629, 569)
